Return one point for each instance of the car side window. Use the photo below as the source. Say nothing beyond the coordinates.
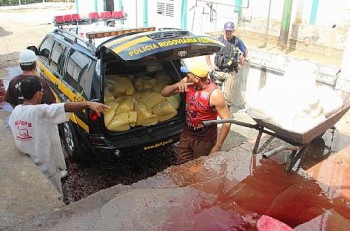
(76, 71)
(45, 49)
(57, 57)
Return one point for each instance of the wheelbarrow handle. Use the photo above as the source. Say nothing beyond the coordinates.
(232, 121)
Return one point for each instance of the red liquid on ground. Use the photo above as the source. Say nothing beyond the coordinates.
(234, 195)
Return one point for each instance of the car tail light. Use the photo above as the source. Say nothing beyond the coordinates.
(93, 116)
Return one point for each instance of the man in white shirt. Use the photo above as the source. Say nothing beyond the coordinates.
(34, 127)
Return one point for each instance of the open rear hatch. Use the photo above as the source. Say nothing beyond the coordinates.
(162, 45)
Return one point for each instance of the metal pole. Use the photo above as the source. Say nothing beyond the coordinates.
(136, 12)
(184, 15)
(77, 6)
(238, 10)
(283, 38)
(314, 9)
(145, 13)
(121, 7)
(267, 24)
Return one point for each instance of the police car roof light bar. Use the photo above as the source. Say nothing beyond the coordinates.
(58, 20)
(93, 17)
(117, 14)
(67, 19)
(105, 15)
(102, 34)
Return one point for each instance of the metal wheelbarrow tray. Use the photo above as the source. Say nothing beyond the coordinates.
(298, 141)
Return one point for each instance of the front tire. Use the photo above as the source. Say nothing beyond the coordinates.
(70, 142)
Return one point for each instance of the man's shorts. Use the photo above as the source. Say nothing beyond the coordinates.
(191, 148)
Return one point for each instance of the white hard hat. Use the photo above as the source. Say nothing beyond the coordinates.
(27, 57)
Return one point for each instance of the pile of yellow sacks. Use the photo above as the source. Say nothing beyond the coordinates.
(136, 101)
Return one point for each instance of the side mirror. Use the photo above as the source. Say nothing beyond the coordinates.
(44, 53)
(33, 48)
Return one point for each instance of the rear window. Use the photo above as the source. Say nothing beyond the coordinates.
(57, 57)
(45, 49)
(76, 72)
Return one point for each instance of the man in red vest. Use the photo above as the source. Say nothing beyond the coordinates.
(204, 101)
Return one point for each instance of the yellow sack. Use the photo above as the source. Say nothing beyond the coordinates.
(153, 119)
(159, 86)
(119, 123)
(142, 111)
(109, 90)
(132, 118)
(138, 83)
(109, 113)
(126, 104)
(118, 90)
(126, 85)
(143, 94)
(143, 82)
(135, 96)
(167, 117)
(174, 100)
(164, 111)
(120, 85)
(163, 77)
(152, 100)
(108, 97)
(148, 83)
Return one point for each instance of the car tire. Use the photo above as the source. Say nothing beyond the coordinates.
(70, 142)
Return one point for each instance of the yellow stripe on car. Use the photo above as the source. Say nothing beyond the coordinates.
(130, 44)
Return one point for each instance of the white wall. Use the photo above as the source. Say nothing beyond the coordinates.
(171, 19)
(199, 20)
(87, 6)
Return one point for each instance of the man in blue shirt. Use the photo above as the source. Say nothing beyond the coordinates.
(228, 61)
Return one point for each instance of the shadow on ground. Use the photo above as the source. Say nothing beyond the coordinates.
(4, 33)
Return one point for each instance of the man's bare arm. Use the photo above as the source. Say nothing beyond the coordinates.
(217, 100)
(79, 106)
(176, 88)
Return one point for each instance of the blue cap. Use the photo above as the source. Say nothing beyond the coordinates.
(184, 69)
(229, 26)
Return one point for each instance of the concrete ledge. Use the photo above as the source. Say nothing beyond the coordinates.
(82, 215)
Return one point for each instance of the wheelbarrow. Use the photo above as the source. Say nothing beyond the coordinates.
(298, 142)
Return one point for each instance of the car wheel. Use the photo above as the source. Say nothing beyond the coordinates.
(70, 142)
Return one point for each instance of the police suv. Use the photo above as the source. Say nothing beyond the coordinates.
(125, 69)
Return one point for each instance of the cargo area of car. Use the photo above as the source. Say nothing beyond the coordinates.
(133, 93)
